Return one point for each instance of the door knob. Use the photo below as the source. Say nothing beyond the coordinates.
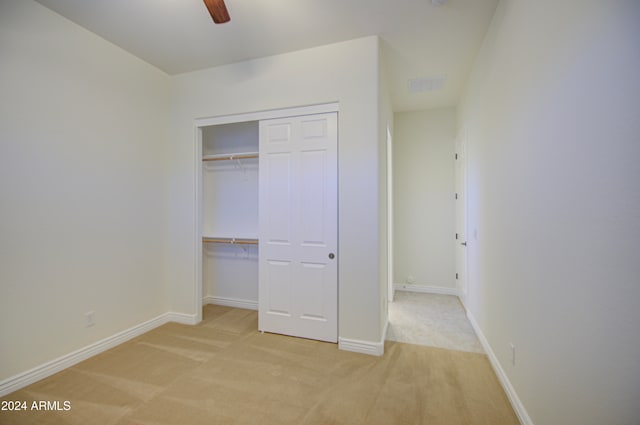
(331, 255)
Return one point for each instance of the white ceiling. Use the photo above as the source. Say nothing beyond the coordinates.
(418, 38)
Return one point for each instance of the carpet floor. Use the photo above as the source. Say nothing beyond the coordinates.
(223, 371)
(431, 319)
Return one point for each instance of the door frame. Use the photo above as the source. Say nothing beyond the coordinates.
(462, 226)
(199, 123)
(390, 236)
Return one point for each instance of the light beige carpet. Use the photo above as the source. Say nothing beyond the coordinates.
(431, 319)
(225, 372)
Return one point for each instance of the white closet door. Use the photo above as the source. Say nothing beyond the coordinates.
(298, 200)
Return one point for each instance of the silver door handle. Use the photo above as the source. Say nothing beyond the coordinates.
(463, 243)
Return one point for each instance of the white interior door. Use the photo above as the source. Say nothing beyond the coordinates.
(461, 216)
(298, 235)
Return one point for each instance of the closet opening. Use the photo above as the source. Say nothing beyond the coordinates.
(229, 214)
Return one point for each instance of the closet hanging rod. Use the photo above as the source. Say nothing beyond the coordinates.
(230, 157)
(232, 241)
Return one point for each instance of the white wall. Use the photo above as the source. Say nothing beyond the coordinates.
(344, 72)
(82, 165)
(554, 196)
(424, 205)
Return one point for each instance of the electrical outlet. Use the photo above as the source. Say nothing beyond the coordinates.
(513, 353)
(411, 280)
(89, 319)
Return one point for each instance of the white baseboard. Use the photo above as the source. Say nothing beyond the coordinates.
(364, 347)
(47, 369)
(425, 289)
(517, 405)
(230, 302)
(182, 318)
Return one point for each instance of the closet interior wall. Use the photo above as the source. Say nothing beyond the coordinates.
(230, 212)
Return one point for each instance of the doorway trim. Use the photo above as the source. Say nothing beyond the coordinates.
(462, 226)
(391, 288)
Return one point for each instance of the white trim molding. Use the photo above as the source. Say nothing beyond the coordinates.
(425, 289)
(365, 347)
(182, 318)
(47, 369)
(320, 108)
(517, 405)
(358, 346)
(230, 302)
(384, 332)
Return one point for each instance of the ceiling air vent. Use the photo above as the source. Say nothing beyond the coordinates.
(425, 84)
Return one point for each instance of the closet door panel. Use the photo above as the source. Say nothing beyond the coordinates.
(277, 187)
(313, 198)
(301, 191)
(278, 133)
(311, 296)
(279, 295)
(313, 127)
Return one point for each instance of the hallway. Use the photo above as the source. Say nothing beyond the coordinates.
(431, 320)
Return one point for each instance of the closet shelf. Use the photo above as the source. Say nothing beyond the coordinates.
(231, 156)
(232, 241)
